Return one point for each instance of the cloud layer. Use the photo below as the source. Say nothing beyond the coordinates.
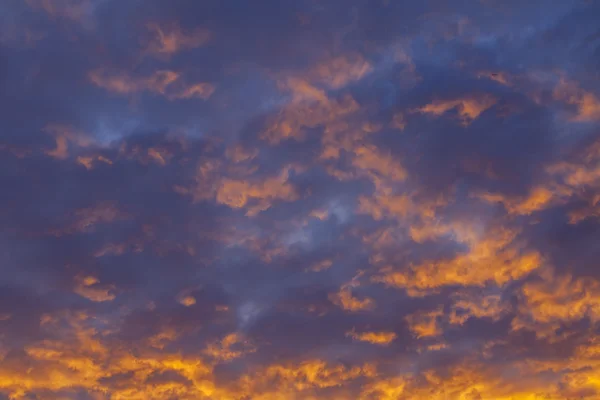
(299, 200)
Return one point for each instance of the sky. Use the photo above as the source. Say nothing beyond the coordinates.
(299, 200)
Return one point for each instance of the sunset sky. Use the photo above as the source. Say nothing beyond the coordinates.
(299, 200)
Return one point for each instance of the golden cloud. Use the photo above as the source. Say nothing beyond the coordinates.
(469, 108)
(238, 194)
(587, 104)
(538, 199)
(321, 265)
(232, 346)
(494, 257)
(187, 301)
(346, 301)
(309, 375)
(425, 324)
(90, 288)
(339, 71)
(164, 82)
(467, 306)
(557, 299)
(379, 338)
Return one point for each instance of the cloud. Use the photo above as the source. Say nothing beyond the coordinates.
(237, 194)
(478, 305)
(587, 104)
(425, 324)
(321, 265)
(171, 39)
(310, 374)
(347, 301)
(188, 301)
(469, 109)
(379, 338)
(538, 199)
(89, 288)
(344, 200)
(557, 300)
(492, 258)
(232, 346)
(254, 193)
(64, 135)
(163, 82)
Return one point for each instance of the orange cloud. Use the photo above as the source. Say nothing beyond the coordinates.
(404, 206)
(309, 108)
(251, 193)
(308, 375)
(255, 196)
(232, 346)
(321, 265)
(564, 181)
(162, 338)
(65, 135)
(557, 299)
(468, 381)
(87, 360)
(381, 206)
(379, 338)
(425, 324)
(378, 164)
(61, 150)
(580, 373)
(587, 104)
(493, 257)
(187, 301)
(88, 161)
(83, 361)
(342, 136)
(577, 175)
(90, 288)
(480, 306)
(590, 210)
(384, 389)
(122, 84)
(538, 199)
(346, 301)
(164, 82)
(319, 214)
(468, 108)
